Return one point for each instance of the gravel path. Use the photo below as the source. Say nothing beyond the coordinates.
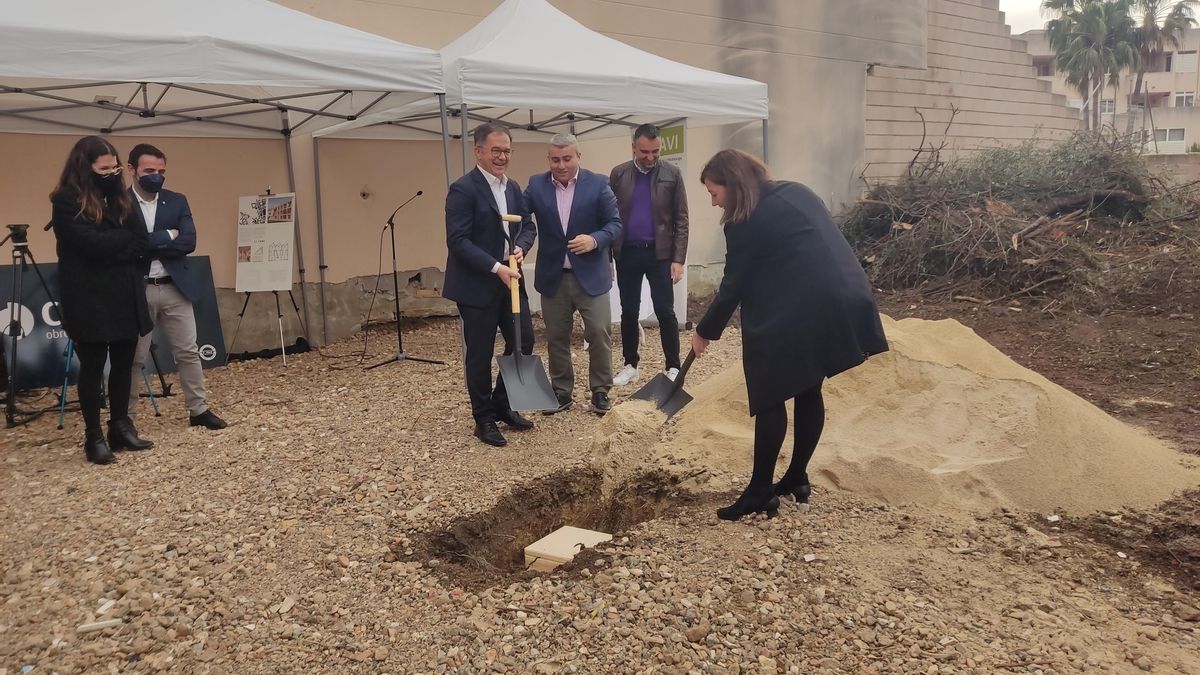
(297, 540)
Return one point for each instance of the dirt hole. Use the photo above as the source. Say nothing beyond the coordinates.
(488, 548)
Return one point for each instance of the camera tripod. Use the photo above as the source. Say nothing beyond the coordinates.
(22, 257)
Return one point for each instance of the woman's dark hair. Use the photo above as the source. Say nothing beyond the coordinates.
(742, 176)
(76, 180)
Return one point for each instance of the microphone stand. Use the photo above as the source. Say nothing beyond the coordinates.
(400, 355)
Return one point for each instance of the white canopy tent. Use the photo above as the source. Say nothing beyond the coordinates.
(501, 71)
(227, 68)
(589, 84)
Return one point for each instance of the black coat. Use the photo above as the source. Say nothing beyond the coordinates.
(807, 308)
(102, 293)
(476, 242)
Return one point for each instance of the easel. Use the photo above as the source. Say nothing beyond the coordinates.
(278, 314)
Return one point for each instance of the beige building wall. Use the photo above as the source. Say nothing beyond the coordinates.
(812, 54)
(975, 67)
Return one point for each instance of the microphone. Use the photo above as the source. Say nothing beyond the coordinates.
(48, 226)
(389, 220)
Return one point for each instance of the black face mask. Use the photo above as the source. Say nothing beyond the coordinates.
(107, 181)
(152, 182)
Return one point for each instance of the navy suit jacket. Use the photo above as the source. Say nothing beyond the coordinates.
(594, 212)
(476, 242)
(173, 213)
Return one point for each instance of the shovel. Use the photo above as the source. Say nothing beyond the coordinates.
(525, 377)
(668, 395)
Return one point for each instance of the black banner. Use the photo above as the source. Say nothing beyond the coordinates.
(42, 348)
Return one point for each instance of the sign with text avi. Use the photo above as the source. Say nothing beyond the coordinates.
(42, 347)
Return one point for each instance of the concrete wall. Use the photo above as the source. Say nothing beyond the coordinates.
(812, 54)
(976, 67)
(1177, 169)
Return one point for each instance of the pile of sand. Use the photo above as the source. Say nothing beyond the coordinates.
(943, 419)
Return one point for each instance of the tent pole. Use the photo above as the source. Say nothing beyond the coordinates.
(463, 111)
(445, 136)
(287, 144)
(321, 266)
(765, 160)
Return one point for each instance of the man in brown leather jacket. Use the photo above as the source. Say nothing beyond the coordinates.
(652, 245)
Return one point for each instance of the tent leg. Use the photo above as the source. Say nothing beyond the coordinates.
(287, 144)
(445, 136)
(765, 160)
(466, 159)
(321, 266)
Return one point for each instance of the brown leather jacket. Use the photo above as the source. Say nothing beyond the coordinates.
(668, 200)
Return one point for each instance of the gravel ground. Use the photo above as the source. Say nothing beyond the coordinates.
(303, 538)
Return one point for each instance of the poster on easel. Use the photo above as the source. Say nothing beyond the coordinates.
(266, 238)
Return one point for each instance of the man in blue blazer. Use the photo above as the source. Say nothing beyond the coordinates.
(170, 290)
(577, 220)
(477, 275)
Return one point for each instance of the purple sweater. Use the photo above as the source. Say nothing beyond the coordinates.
(640, 227)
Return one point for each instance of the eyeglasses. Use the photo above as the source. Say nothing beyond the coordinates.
(116, 170)
(497, 152)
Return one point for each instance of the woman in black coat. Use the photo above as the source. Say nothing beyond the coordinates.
(808, 313)
(102, 291)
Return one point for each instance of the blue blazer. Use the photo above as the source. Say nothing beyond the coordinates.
(594, 212)
(173, 214)
(476, 242)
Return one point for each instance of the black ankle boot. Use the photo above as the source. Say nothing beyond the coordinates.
(96, 449)
(800, 493)
(122, 436)
(751, 502)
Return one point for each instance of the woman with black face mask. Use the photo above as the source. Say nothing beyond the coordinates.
(102, 293)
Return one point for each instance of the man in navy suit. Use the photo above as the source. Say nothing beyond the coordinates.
(170, 290)
(477, 275)
(577, 218)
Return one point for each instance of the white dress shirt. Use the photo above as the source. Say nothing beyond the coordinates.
(499, 188)
(149, 212)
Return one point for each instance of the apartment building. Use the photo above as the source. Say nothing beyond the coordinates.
(1168, 113)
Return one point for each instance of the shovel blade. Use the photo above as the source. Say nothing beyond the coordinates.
(527, 384)
(663, 392)
(675, 403)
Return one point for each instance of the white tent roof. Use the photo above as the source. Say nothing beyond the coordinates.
(503, 64)
(198, 56)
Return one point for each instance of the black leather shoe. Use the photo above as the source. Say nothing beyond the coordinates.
(750, 502)
(800, 493)
(122, 436)
(95, 449)
(489, 433)
(207, 419)
(563, 406)
(600, 403)
(514, 420)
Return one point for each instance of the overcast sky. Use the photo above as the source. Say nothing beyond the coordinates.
(1022, 15)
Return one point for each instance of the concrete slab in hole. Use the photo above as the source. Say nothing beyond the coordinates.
(561, 546)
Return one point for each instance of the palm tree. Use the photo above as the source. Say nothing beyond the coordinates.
(1162, 24)
(1093, 41)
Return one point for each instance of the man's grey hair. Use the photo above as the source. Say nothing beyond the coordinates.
(565, 141)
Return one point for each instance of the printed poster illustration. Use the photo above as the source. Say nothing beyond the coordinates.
(266, 236)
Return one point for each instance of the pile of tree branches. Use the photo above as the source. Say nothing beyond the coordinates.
(1030, 219)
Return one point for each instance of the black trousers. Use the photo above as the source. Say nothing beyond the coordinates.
(92, 356)
(636, 263)
(770, 429)
(479, 326)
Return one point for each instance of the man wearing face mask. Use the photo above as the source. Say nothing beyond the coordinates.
(169, 289)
